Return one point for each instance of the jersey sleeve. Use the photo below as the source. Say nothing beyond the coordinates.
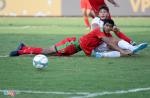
(98, 21)
(95, 20)
(123, 36)
(99, 33)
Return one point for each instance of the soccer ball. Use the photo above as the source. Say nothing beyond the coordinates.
(40, 61)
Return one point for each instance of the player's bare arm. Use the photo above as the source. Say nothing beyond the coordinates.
(114, 3)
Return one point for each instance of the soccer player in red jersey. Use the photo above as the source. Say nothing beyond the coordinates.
(95, 4)
(87, 11)
(70, 46)
(102, 35)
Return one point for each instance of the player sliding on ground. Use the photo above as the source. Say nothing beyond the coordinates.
(87, 43)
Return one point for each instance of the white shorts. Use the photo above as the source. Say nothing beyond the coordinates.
(102, 48)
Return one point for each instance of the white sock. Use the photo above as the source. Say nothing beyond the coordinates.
(111, 54)
(125, 45)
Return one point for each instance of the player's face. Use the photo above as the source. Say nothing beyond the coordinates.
(103, 14)
(108, 27)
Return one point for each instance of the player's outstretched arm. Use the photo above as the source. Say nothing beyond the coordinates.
(123, 36)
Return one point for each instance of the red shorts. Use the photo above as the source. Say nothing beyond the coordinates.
(85, 4)
(87, 49)
(67, 47)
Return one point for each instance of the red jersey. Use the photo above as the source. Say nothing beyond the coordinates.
(95, 4)
(91, 40)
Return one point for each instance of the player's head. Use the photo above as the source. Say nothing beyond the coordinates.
(108, 25)
(103, 12)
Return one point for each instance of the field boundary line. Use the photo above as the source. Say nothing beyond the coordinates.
(4, 56)
(114, 92)
(45, 92)
(81, 94)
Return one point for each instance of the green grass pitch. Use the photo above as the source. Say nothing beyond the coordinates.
(76, 76)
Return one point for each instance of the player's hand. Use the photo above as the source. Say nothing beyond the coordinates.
(126, 53)
(116, 29)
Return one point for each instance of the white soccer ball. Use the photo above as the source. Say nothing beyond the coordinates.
(40, 61)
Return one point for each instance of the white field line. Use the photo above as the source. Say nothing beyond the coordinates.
(29, 27)
(114, 92)
(24, 27)
(47, 92)
(83, 94)
(4, 56)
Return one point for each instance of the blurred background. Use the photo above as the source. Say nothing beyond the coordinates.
(69, 8)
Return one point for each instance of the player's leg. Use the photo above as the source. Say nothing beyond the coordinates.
(84, 4)
(49, 51)
(85, 16)
(66, 51)
(15, 52)
(23, 49)
(125, 45)
(108, 54)
(90, 11)
(67, 47)
(102, 47)
(104, 51)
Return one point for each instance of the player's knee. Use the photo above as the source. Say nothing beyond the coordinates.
(49, 50)
(114, 40)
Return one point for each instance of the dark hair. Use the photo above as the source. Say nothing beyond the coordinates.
(104, 7)
(110, 21)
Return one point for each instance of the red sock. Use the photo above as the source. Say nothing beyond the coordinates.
(86, 21)
(30, 50)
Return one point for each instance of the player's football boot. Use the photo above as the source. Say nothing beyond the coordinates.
(133, 43)
(15, 52)
(140, 47)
